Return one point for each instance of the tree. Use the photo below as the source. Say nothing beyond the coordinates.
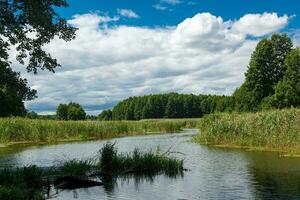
(287, 91)
(266, 68)
(21, 19)
(13, 91)
(76, 112)
(62, 112)
(27, 25)
(72, 111)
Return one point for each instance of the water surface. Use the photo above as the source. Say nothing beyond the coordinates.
(215, 173)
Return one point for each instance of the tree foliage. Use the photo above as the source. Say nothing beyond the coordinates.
(29, 25)
(287, 90)
(71, 111)
(265, 70)
(62, 112)
(13, 91)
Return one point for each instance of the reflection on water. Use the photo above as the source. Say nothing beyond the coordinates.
(215, 173)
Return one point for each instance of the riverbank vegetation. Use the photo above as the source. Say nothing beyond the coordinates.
(270, 130)
(14, 130)
(36, 183)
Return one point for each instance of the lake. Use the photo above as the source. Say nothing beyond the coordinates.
(214, 173)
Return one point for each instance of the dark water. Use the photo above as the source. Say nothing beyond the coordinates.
(215, 173)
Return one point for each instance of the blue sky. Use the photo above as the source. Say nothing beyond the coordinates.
(131, 47)
(175, 12)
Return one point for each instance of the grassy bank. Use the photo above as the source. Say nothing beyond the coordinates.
(14, 130)
(35, 183)
(270, 130)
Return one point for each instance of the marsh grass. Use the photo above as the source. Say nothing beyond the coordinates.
(136, 162)
(273, 130)
(75, 167)
(22, 183)
(18, 130)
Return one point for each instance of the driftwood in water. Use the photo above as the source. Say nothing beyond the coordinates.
(74, 182)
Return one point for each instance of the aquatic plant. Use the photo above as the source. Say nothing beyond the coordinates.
(113, 162)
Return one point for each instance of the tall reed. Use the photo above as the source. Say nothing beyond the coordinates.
(276, 129)
(37, 130)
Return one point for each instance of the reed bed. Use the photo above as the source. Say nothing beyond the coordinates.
(275, 129)
(14, 130)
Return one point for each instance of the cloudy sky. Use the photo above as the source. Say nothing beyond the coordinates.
(132, 47)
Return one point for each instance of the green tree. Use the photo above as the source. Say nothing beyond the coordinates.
(27, 25)
(287, 91)
(266, 68)
(13, 91)
(19, 18)
(62, 112)
(71, 111)
(76, 112)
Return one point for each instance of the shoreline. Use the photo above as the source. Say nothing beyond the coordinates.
(284, 152)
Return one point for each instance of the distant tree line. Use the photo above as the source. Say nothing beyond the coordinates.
(171, 105)
(272, 80)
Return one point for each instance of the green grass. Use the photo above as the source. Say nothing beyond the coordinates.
(14, 130)
(271, 130)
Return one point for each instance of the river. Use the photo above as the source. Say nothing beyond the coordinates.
(214, 173)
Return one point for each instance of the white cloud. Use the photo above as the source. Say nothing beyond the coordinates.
(104, 64)
(90, 20)
(295, 34)
(128, 13)
(159, 7)
(172, 2)
(260, 24)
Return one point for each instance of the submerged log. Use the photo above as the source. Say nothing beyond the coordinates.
(74, 182)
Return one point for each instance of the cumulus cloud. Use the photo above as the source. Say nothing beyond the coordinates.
(104, 64)
(260, 24)
(128, 13)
